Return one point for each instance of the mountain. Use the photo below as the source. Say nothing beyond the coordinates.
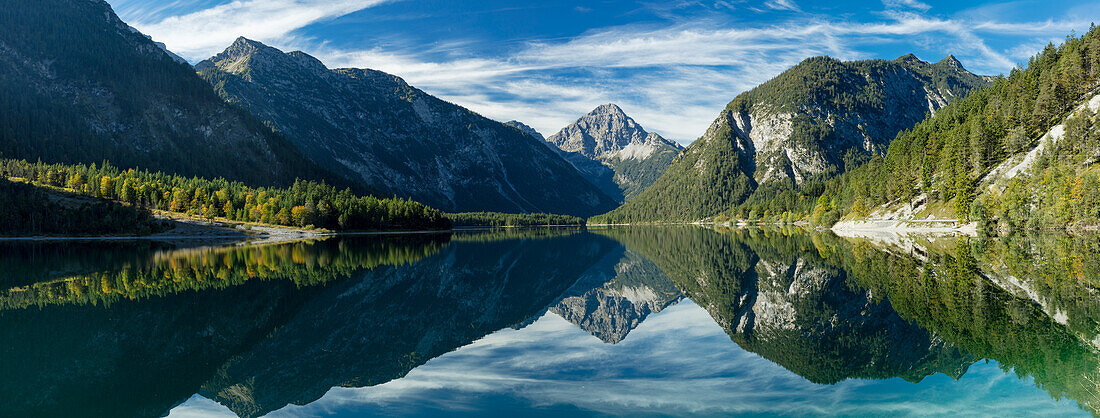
(616, 295)
(614, 152)
(374, 128)
(81, 86)
(1020, 154)
(815, 120)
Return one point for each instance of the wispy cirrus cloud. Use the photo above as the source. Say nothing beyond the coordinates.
(201, 33)
(673, 77)
(906, 4)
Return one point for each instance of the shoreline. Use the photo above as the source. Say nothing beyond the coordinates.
(190, 230)
(903, 227)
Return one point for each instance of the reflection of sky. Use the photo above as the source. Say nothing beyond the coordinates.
(676, 362)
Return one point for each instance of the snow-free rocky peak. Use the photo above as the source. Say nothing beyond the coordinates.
(62, 59)
(614, 152)
(607, 132)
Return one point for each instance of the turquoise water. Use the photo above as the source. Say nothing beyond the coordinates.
(643, 321)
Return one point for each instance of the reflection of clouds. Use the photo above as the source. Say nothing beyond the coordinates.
(676, 362)
(199, 406)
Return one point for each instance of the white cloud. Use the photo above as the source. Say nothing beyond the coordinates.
(782, 5)
(672, 79)
(203, 33)
(903, 4)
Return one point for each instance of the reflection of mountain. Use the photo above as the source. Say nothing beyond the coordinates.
(980, 305)
(137, 358)
(616, 295)
(200, 325)
(256, 328)
(378, 327)
(777, 296)
(169, 320)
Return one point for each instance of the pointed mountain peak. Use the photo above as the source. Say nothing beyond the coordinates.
(247, 56)
(607, 109)
(606, 132)
(910, 57)
(951, 61)
(244, 46)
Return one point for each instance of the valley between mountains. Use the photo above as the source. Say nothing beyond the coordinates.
(94, 108)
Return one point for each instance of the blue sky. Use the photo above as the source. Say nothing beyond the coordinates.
(672, 65)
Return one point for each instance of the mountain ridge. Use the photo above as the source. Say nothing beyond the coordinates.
(82, 86)
(375, 128)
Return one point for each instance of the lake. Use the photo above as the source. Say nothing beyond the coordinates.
(554, 322)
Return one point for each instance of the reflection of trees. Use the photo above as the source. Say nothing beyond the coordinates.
(163, 273)
(776, 293)
(1061, 272)
(497, 234)
(951, 295)
(1030, 303)
(24, 263)
(134, 358)
(262, 344)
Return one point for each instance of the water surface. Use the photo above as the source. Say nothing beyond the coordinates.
(629, 321)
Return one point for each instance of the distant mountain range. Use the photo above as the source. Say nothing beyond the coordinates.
(815, 120)
(374, 128)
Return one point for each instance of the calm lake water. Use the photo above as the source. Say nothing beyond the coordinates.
(631, 321)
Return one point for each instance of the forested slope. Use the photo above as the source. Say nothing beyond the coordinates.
(1020, 153)
(781, 141)
(78, 85)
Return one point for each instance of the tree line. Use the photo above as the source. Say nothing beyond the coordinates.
(495, 219)
(304, 204)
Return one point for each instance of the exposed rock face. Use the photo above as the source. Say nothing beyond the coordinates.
(614, 152)
(616, 295)
(81, 86)
(374, 128)
(792, 143)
